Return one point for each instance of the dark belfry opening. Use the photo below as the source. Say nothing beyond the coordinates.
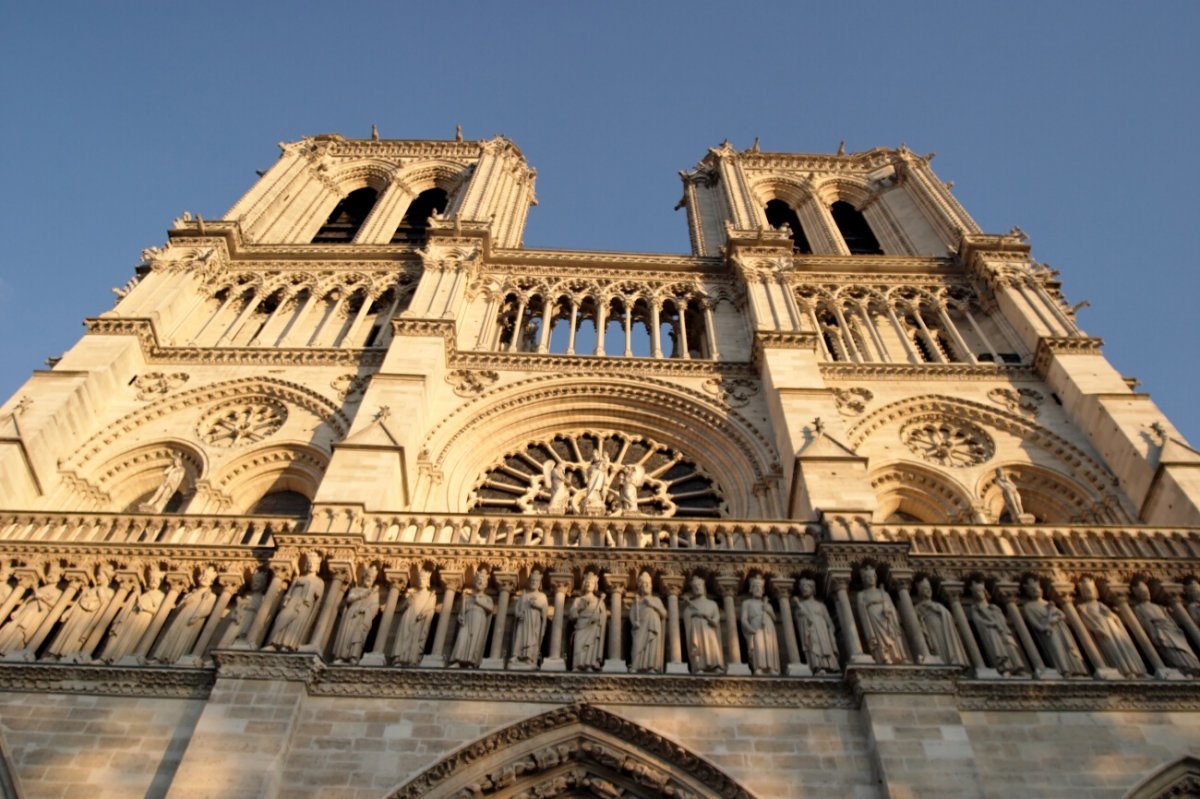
(781, 216)
(854, 229)
(415, 225)
(347, 217)
(282, 503)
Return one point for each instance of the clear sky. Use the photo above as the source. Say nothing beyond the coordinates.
(1069, 119)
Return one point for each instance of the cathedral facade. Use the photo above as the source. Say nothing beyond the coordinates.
(352, 494)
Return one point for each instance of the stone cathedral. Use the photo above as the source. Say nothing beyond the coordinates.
(351, 494)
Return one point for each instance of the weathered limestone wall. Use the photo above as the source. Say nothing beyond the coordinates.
(67, 745)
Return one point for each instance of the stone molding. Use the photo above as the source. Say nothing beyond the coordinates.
(1050, 346)
(923, 371)
(171, 682)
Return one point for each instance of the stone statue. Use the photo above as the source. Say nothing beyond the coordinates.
(300, 607)
(245, 610)
(554, 478)
(997, 640)
(80, 619)
(818, 637)
(591, 501)
(172, 479)
(189, 619)
(5, 576)
(362, 606)
(702, 624)
(1191, 590)
(474, 619)
(135, 618)
(758, 626)
(409, 647)
(28, 616)
(633, 476)
(880, 624)
(1162, 630)
(1012, 497)
(646, 621)
(531, 609)
(1049, 626)
(1109, 633)
(937, 625)
(591, 618)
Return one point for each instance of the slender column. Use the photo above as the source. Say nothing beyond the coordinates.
(341, 575)
(1065, 593)
(838, 584)
(26, 580)
(296, 328)
(789, 301)
(953, 589)
(397, 580)
(673, 583)
(547, 322)
(979, 332)
(683, 339)
(902, 580)
(385, 319)
(126, 582)
(616, 617)
(1173, 592)
(655, 332)
(349, 340)
(1120, 595)
(872, 330)
(952, 329)
(232, 330)
(506, 581)
(628, 330)
(561, 582)
(262, 332)
(230, 297)
(489, 324)
(782, 589)
(711, 330)
(1008, 592)
(929, 339)
(76, 579)
(281, 575)
(902, 334)
(451, 582)
(601, 321)
(229, 583)
(728, 585)
(176, 582)
(574, 327)
(515, 341)
(318, 336)
(844, 333)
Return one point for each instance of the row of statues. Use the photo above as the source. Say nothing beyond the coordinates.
(137, 616)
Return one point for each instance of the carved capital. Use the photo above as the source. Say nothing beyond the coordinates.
(952, 590)
(728, 584)
(561, 582)
(178, 581)
(673, 584)
(506, 581)
(837, 579)
(342, 570)
(782, 587)
(616, 583)
(231, 581)
(901, 578)
(1007, 591)
(1064, 591)
(451, 580)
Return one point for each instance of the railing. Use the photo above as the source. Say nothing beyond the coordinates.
(1044, 541)
(134, 528)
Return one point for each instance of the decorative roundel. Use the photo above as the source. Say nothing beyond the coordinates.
(242, 421)
(597, 473)
(948, 442)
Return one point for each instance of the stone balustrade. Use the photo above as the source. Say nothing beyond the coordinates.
(1042, 540)
(142, 528)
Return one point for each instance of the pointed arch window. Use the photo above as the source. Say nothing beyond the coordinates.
(857, 234)
(782, 216)
(414, 228)
(347, 217)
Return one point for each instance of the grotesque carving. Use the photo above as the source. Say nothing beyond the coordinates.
(1162, 630)
(997, 639)
(878, 620)
(530, 610)
(937, 625)
(362, 605)
(702, 624)
(300, 607)
(1109, 633)
(474, 619)
(818, 637)
(646, 618)
(758, 626)
(1049, 625)
(189, 619)
(590, 617)
(409, 647)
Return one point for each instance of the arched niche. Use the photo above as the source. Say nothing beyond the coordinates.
(1179, 779)
(467, 442)
(908, 492)
(579, 750)
(288, 467)
(1050, 497)
(133, 476)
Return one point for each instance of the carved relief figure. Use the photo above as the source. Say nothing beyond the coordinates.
(997, 640)
(633, 476)
(591, 618)
(1012, 497)
(172, 479)
(702, 625)
(5, 576)
(474, 619)
(1191, 591)
(1162, 630)
(1049, 626)
(591, 501)
(758, 625)
(814, 625)
(135, 618)
(80, 619)
(530, 610)
(362, 605)
(937, 625)
(299, 608)
(24, 621)
(409, 647)
(646, 617)
(554, 478)
(1109, 633)
(189, 619)
(245, 611)
(879, 622)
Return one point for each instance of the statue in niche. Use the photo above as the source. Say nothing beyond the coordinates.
(135, 618)
(1049, 625)
(80, 619)
(528, 341)
(702, 624)
(818, 637)
(880, 624)
(189, 619)
(28, 616)
(299, 608)
(531, 609)
(1162, 630)
(1191, 590)
(474, 619)
(590, 617)
(646, 620)
(633, 477)
(758, 626)
(172, 479)
(362, 606)
(1012, 499)
(245, 610)
(409, 647)
(554, 479)
(997, 639)
(937, 625)
(591, 500)
(1108, 631)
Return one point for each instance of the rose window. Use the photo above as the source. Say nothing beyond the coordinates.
(242, 422)
(948, 442)
(597, 474)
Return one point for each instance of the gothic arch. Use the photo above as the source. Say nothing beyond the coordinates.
(281, 467)
(1178, 779)
(423, 175)
(1051, 497)
(832, 189)
(725, 443)
(929, 496)
(579, 750)
(139, 471)
(361, 174)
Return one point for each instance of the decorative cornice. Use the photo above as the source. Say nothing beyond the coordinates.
(573, 364)
(1050, 346)
(246, 664)
(923, 371)
(872, 679)
(155, 681)
(1077, 695)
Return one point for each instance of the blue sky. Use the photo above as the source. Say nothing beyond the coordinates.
(1069, 119)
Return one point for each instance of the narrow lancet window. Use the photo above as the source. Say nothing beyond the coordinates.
(347, 217)
(781, 216)
(414, 228)
(854, 229)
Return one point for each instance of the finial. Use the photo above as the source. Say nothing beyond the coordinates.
(842, 147)
(818, 426)
(754, 147)
(458, 133)
(374, 132)
(383, 413)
